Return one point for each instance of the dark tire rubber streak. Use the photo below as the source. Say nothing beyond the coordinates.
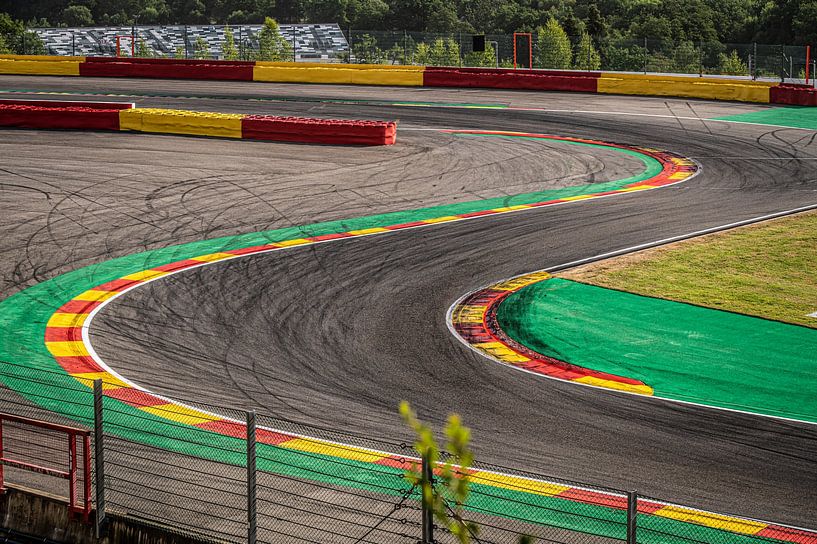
(338, 333)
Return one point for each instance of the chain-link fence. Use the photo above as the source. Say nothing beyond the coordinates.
(330, 43)
(228, 475)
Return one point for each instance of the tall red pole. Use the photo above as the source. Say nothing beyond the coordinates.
(808, 62)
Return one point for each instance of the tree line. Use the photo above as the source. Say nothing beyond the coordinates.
(764, 21)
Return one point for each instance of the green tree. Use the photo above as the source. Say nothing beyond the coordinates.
(447, 506)
(732, 64)
(595, 23)
(200, 49)
(366, 51)
(587, 58)
(485, 59)
(553, 46)
(686, 58)
(445, 52)
(271, 45)
(4, 49)
(142, 49)
(229, 50)
(75, 15)
(180, 53)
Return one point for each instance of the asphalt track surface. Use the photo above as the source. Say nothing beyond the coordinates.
(336, 334)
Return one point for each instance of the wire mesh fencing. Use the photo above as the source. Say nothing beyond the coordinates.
(330, 43)
(223, 475)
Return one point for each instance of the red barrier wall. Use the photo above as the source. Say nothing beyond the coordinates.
(67, 104)
(565, 73)
(65, 118)
(509, 80)
(795, 95)
(194, 62)
(167, 70)
(324, 131)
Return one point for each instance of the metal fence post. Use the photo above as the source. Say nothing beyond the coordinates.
(251, 506)
(646, 55)
(632, 516)
(754, 56)
(186, 54)
(99, 462)
(427, 505)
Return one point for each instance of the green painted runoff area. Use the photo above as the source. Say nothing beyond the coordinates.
(792, 116)
(31, 371)
(684, 352)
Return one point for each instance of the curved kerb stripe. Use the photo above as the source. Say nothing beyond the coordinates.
(473, 318)
(67, 339)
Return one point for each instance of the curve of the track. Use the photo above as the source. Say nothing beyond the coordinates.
(336, 334)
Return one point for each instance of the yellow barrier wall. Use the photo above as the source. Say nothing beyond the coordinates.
(397, 67)
(40, 67)
(42, 57)
(685, 87)
(347, 76)
(223, 125)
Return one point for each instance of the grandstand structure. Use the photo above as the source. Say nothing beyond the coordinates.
(315, 42)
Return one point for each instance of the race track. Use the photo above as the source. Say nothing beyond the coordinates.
(336, 334)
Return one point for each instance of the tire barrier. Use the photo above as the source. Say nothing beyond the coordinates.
(67, 117)
(67, 104)
(190, 123)
(511, 79)
(685, 87)
(166, 68)
(339, 74)
(709, 88)
(794, 95)
(40, 65)
(324, 131)
(124, 117)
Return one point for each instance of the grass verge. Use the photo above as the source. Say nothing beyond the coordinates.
(765, 270)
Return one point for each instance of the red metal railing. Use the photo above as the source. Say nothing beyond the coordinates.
(71, 474)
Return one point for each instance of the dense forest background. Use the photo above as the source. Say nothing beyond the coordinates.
(725, 21)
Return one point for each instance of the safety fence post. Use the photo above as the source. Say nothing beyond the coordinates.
(252, 529)
(427, 501)
(99, 462)
(754, 56)
(646, 55)
(632, 516)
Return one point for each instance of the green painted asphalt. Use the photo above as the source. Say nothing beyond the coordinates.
(34, 374)
(683, 352)
(790, 116)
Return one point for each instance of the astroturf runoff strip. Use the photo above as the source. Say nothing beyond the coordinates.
(44, 341)
(792, 116)
(681, 351)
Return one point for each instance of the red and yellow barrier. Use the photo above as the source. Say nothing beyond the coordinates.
(339, 74)
(685, 87)
(60, 115)
(107, 116)
(710, 88)
(191, 123)
(324, 131)
(40, 65)
(166, 68)
(511, 79)
(794, 95)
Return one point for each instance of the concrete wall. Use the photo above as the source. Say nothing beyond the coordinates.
(45, 516)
